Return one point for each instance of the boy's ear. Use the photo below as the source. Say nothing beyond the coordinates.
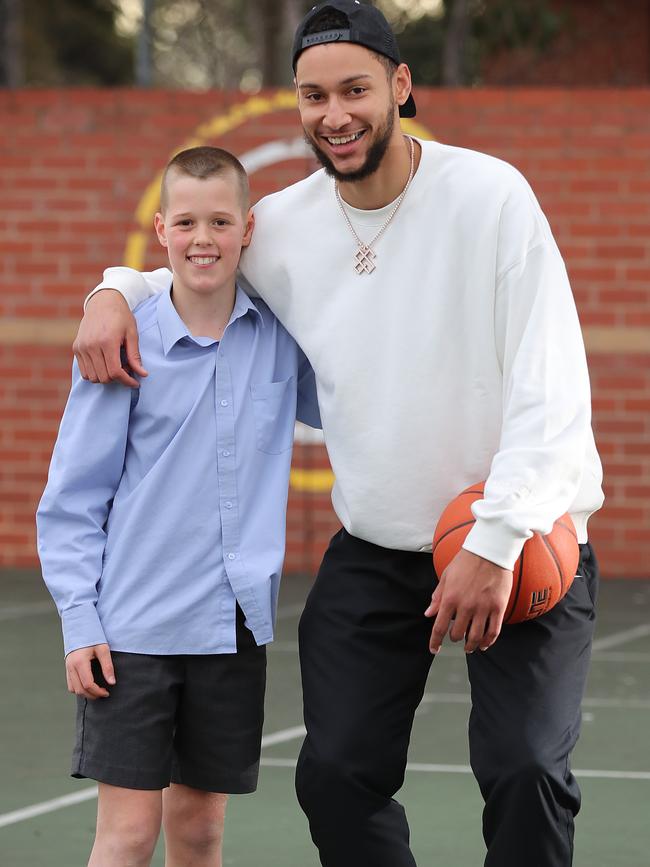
(159, 226)
(250, 225)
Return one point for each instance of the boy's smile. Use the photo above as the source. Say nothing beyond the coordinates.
(203, 261)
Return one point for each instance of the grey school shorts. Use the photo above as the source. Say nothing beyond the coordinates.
(195, 720)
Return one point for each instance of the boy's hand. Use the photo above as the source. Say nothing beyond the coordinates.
(473, 593)
(78, 671)
(107, 326)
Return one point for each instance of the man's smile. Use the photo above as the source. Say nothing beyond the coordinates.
(344, 139)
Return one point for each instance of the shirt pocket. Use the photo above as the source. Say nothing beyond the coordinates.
(274, 408)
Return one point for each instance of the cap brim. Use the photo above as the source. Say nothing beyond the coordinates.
(408, 109)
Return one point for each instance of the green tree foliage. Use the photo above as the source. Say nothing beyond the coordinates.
(74, 42)
(246, 43)
(200, 43)
(492, 26)
(229, 43)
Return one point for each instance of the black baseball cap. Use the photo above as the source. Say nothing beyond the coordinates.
(365, 26)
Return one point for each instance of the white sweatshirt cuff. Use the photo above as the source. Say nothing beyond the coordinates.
(132, 284)
(496, 542)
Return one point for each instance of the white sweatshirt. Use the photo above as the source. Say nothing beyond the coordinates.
(458, 359)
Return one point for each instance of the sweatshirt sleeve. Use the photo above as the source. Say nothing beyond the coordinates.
(135, 286)
(85, 472)
(536, 472)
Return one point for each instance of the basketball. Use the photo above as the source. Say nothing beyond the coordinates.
(543, 572)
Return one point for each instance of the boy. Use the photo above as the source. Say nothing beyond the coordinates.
(183, 610)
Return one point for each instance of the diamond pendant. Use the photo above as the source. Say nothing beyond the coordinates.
(364, 263)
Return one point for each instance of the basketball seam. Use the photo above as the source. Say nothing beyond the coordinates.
(567, 528)
(516, 597)
(556, 561)
(452, 530)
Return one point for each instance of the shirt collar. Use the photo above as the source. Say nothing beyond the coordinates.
(172, 328)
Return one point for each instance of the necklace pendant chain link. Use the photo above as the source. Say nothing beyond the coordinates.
(365, 255)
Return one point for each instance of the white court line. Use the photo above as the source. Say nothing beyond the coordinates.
(595, 701)
(15, 816)
(282, 736)
(426, 768)
(621, 637)
(47, 807)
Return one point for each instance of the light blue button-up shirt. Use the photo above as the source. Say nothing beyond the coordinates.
(166, 505)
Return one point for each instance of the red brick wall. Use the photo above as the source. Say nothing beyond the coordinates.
(74, 166)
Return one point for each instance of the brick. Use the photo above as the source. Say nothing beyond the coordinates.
(637, 535)
(618, 383)
(624, 296)
(622, 251)
(14, 538)
(636, 447)
(598, 273)
(593, 185)
(598, 317)
(595, 230)
(641, 274)
(621, 470)
(641, 405)
(641, 492)
(637, 319)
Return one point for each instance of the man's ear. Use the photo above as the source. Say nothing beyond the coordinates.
(159, 226)
(402, 84)
(250, 225)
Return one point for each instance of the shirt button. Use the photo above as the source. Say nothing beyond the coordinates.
(224, 403)
(228, 505)
(225, 453)
(231, 556)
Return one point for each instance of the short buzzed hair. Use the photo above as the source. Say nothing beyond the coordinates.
(206, 162)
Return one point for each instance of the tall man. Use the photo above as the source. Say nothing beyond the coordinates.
(425, 287)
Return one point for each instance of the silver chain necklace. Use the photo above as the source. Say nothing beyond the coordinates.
(363, 258)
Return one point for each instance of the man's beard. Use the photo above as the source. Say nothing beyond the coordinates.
(374, 157)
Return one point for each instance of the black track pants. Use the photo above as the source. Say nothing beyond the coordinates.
(365, 660)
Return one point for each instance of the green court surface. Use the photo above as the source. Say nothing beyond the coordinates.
(267, 829)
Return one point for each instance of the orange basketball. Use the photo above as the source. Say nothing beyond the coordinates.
(542, 574)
